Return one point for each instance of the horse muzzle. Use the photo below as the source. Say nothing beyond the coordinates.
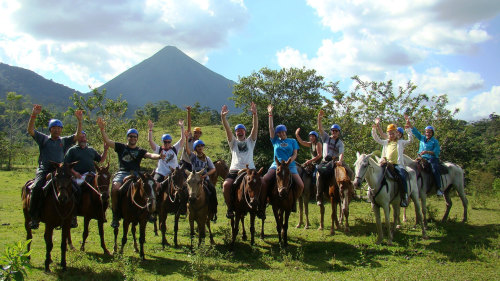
(254, 203)
(282, 193)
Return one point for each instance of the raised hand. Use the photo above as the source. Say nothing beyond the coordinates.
(79, 114)
(181, 122)
(297, 131)
(106, 146)
(321, 114)
(188, 108)
(36, 109)
(150, 124)
(377, 121)
(270, 109)
(224, 111)
(101, 123)
(253, 108)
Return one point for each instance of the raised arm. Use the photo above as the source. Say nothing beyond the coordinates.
(375, 136)
(152, 144)
(154, 156)
(271, 125)
(186, 143)
(303, 143)
(255, 121)
(320, 123)
(104, 153)
(188, 108)
(34, 113)
(105, 137)
(183, 138)
(79, 117)
(379, 129)
(224, 111)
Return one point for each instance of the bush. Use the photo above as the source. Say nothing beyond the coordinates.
(15, 261)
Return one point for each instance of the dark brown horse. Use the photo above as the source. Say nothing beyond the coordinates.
(282, 198)
(246, 201)
(172, 198)
(198, 207)
(306, 174)
(59, 206)
(93, 204)
(137, 201)
(221, 170)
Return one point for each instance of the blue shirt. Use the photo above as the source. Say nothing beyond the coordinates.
(283, 149)
(431, 145)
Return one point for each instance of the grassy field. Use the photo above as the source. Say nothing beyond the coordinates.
(454, 251)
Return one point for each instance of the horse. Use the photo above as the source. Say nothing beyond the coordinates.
(282, 199)
(306, 173)
(346, 193)
(383, 193)
(93, 204)
(221, 170)
(198, 206)
(246, 201)
(172, 199)
(453, 179)
(59, 206)
(137, 202)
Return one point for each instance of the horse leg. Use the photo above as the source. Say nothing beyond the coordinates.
(100, 226)
(301, 214)
(345, 209)
(322, 216)
(396, 215)
(142, 238)
(85, 233)
(155, 227)
(465, 203)
(201, 231)
(252, 228)
(115, 247)
(162, 221)
(387, 213)
(234, 227)
(448, 204)
(334, 218)
(244, 232)
(124, 237)
(423, 204)
(376, 211)
(29, 234)
(212, 242)
(418, 212)
(65, 232)
(136, 249)
(70, 242)
(277, 218)
(176, 227)
(306, 211)
(191, 227)
(48, 246)
(262, 229)
(285, 227)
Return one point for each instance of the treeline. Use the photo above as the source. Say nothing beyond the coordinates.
(297, 96)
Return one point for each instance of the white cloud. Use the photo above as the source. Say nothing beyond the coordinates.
(479, 106)
(93, 41)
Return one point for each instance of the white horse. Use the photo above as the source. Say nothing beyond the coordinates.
(384, 195)
(426, 184)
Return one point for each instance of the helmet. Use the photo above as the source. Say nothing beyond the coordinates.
(198, 142)
(197, 129)
(335, 127)
(83, 133)
(240, 126)
(314, 134)
(429, 128)
(55, 123)
(166, 137)
(391, 127)
(132, 131)
(401, 130)
(280, 128)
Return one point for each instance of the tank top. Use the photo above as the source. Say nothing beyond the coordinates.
(314, 153)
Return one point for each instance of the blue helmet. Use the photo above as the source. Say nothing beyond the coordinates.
(314, 133)
(429, 128)
(240, 126)
(280, 128)
(166, 137)
(401, 130)
(132, 131)
(55, 123)
(198, 142)
(335, 127)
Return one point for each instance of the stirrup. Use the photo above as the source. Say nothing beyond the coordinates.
(115, 223)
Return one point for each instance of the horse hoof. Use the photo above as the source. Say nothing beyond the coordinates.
(332, 232)
(306, 226)
(404, 220)
(244, 237)
(398, 226)
(320, 228)
(298, 225)
(347, 230)
(107, 253)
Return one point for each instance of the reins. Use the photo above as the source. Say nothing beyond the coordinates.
(59, 203)
(133, 200)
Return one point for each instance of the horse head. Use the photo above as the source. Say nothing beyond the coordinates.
(101, 182)
(178, 184)
(194, 184)
(360, 167)
(283, 177)
(146, 185)
(253, 183)
(61, 180)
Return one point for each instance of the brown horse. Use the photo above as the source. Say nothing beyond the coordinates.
(137, 201)
(246, 201)
(58, 209)
(221, 170)
(172, 198)
(282, 199)
(198, 207)
(306, 174)
(93, 204)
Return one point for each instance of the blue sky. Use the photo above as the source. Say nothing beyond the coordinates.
(444, 46)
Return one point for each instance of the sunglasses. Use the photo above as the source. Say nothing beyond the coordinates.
(132, 136)
(335, 131)
(167, 141)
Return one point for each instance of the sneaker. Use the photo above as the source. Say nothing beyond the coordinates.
(229, 214)
(74, 223)
(404, 203)
(439, 192)
(34, 224)
(115, 223)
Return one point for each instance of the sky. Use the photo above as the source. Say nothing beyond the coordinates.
(443, 46)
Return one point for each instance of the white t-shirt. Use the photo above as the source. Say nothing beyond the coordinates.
(241, 153)
(170, 160)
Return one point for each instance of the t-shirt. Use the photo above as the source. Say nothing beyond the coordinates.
(85, 157)
(241, 153)
(129, 159)
(283, 150)
(198, 164)
(330, 148)
(391, 152)
(51, 150)
(170, 160)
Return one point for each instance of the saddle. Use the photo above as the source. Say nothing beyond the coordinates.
(326, 169)
(424, 165)
(238, 180)
(391, 173)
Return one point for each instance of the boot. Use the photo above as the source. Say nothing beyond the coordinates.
(230, 212)
(34, 208)
(115, 223)
(404, 200)
(74, 222)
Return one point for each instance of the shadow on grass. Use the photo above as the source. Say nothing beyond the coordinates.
(88, 273)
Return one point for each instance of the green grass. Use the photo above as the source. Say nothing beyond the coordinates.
(454, 251)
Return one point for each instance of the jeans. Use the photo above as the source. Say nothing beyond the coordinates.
(435, 171)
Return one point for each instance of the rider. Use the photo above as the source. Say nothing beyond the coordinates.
(284, 149)
(170, 151)
(129, 159)
(333, 149)
(400, 131)
(392, 151)
(199, 161)
(429, 149)
(316, 148)
(241, 152)
(84, 169)
(191, 138)
(52, 149)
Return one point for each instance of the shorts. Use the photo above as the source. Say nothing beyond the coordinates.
(293, 169)
(159, 177)
(120, 175)
(232, 174)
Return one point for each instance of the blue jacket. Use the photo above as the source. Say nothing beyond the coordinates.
(431, 145)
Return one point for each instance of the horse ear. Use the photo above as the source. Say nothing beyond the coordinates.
(187, 172)
(201, 172)
(357, 154)
(288, 161)
(260, 171)
(276, 160)
(171, 169)
(72, 164)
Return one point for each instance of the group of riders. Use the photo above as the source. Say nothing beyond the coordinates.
(327, 152)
